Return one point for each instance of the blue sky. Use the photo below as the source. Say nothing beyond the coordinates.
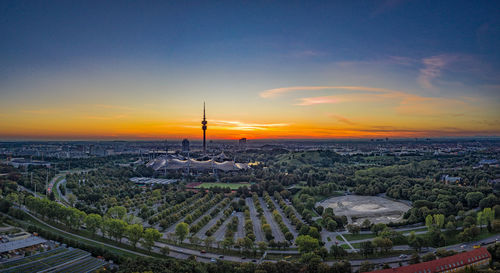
(231, 51)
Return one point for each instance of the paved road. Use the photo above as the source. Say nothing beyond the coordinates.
(295, 211)
(277, 234)
(63, 181)
(220, 233)
(259, 234)
(333, 240)
(345, 240)
(201, 233)
(286, 220)
(240, 233)
(206, 213)
(171, 229)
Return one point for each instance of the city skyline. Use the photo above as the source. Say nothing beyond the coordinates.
(105, 71)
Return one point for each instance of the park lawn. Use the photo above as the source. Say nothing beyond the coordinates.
(233, 186)
(485, 234)
(345, 246)
(353, 237)
(356, 245)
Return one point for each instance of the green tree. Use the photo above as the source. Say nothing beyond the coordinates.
(313, 232)
(366, 248)
(12, 198)
(439, 220)
(71, 199)
(481, 219)
(428, 257)
(416, 242)
(473, 199)
(366, 266)
(489, 215)
(366, 224)
(227, 243)
(428, 221)
(337, 251)
(450, 228)
(307, 243)
(247, 243)
(262, 246)
(209, 241)
(150, 236)
(385, 244)
(117, 228)
(165, 250)
(181, 231)
(93, 222)
(377, 228)
(353, 229)
(134, 233)
(116, 212)
(331, 225)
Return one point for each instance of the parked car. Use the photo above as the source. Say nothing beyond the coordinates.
(203, 251)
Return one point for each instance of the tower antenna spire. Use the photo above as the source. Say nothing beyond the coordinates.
(204, 128)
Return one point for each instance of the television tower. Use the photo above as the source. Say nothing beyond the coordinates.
(204, 128)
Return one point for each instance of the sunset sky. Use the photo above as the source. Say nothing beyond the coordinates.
(266, 69)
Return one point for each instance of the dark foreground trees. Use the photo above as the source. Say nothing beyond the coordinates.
(191, 265)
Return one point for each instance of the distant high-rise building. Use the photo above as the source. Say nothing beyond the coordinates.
(185, 145)
(243, 143)
(204, 128)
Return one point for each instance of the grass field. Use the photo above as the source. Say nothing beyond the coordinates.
(232, 186)
(352, 237)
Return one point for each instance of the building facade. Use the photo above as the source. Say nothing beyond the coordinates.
(477, 257)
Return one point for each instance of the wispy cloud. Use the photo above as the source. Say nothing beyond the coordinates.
(270, 93)
(432, 69)
(401, 102)
(317, 100)
(244, 126)
(240, 125)
(342, 119)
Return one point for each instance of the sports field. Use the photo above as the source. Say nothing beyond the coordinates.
(232, 186)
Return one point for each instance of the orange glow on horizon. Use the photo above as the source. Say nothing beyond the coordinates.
(351, 112)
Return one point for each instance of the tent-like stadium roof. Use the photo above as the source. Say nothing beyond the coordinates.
(176, 164)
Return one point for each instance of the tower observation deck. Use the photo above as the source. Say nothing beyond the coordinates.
(204, 128)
